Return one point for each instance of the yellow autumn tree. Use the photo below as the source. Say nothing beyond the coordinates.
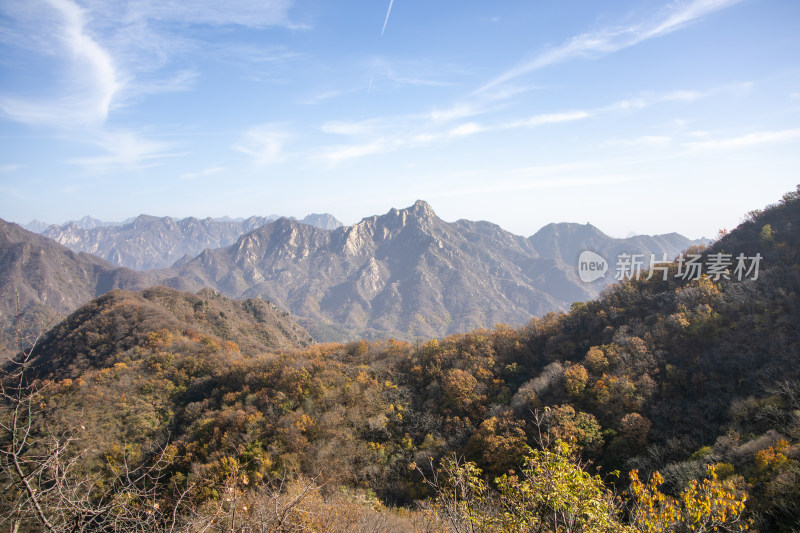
(707, 505)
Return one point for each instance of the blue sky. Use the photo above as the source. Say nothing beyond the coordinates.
(636, 116)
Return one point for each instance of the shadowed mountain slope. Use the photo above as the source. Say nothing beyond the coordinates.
(48, 281)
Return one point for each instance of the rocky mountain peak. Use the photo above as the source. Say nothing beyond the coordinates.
(422, 208)
(322, 220)
(421, 211)
(89, 222)
(421, 214)
(143, 220)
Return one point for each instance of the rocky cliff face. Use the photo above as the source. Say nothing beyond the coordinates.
(406, 273)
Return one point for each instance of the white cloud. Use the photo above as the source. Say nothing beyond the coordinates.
(647, 141)
(548, 118)
(388, 134)
(469, 128)
(91, 80)
(102, 54)
(610, 40)
(336, 154)
(345, 127)
(647, 100)
(203, 173)
(455, 112)
(683, 96)
(265, 144)
(746, 141)
(327, 95)
(466, 129)
(124, 149)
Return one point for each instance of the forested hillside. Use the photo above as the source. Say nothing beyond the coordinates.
(182, 424)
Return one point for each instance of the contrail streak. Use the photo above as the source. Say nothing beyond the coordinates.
(388, 12)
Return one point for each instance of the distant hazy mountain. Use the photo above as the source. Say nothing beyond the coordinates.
(36, 226)
(408, 273)
(150, 242)
(88, 222)
(566, 241)
(322, 221)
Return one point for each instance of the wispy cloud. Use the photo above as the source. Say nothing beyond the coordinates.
(328, 95)
(265, 144)
(608, 40)
(466, 129)
(91, 81)
(180, 81)
(268, 63)
(424, 74)
(470, 128)
(8, 169)
(548, 118)
(649, 99)
(646, 141)
(746, 141)
(203, 173)
(457, 111)
(336, 154)
(346, 127)
(389, 134)
(124, 149)
(103, 55)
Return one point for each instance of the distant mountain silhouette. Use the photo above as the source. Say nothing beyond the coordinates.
(36, 226)
(566, 241)
(149, 242)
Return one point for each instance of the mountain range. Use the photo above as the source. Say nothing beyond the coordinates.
(148, 242)
(410, 274)
(405, 274)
